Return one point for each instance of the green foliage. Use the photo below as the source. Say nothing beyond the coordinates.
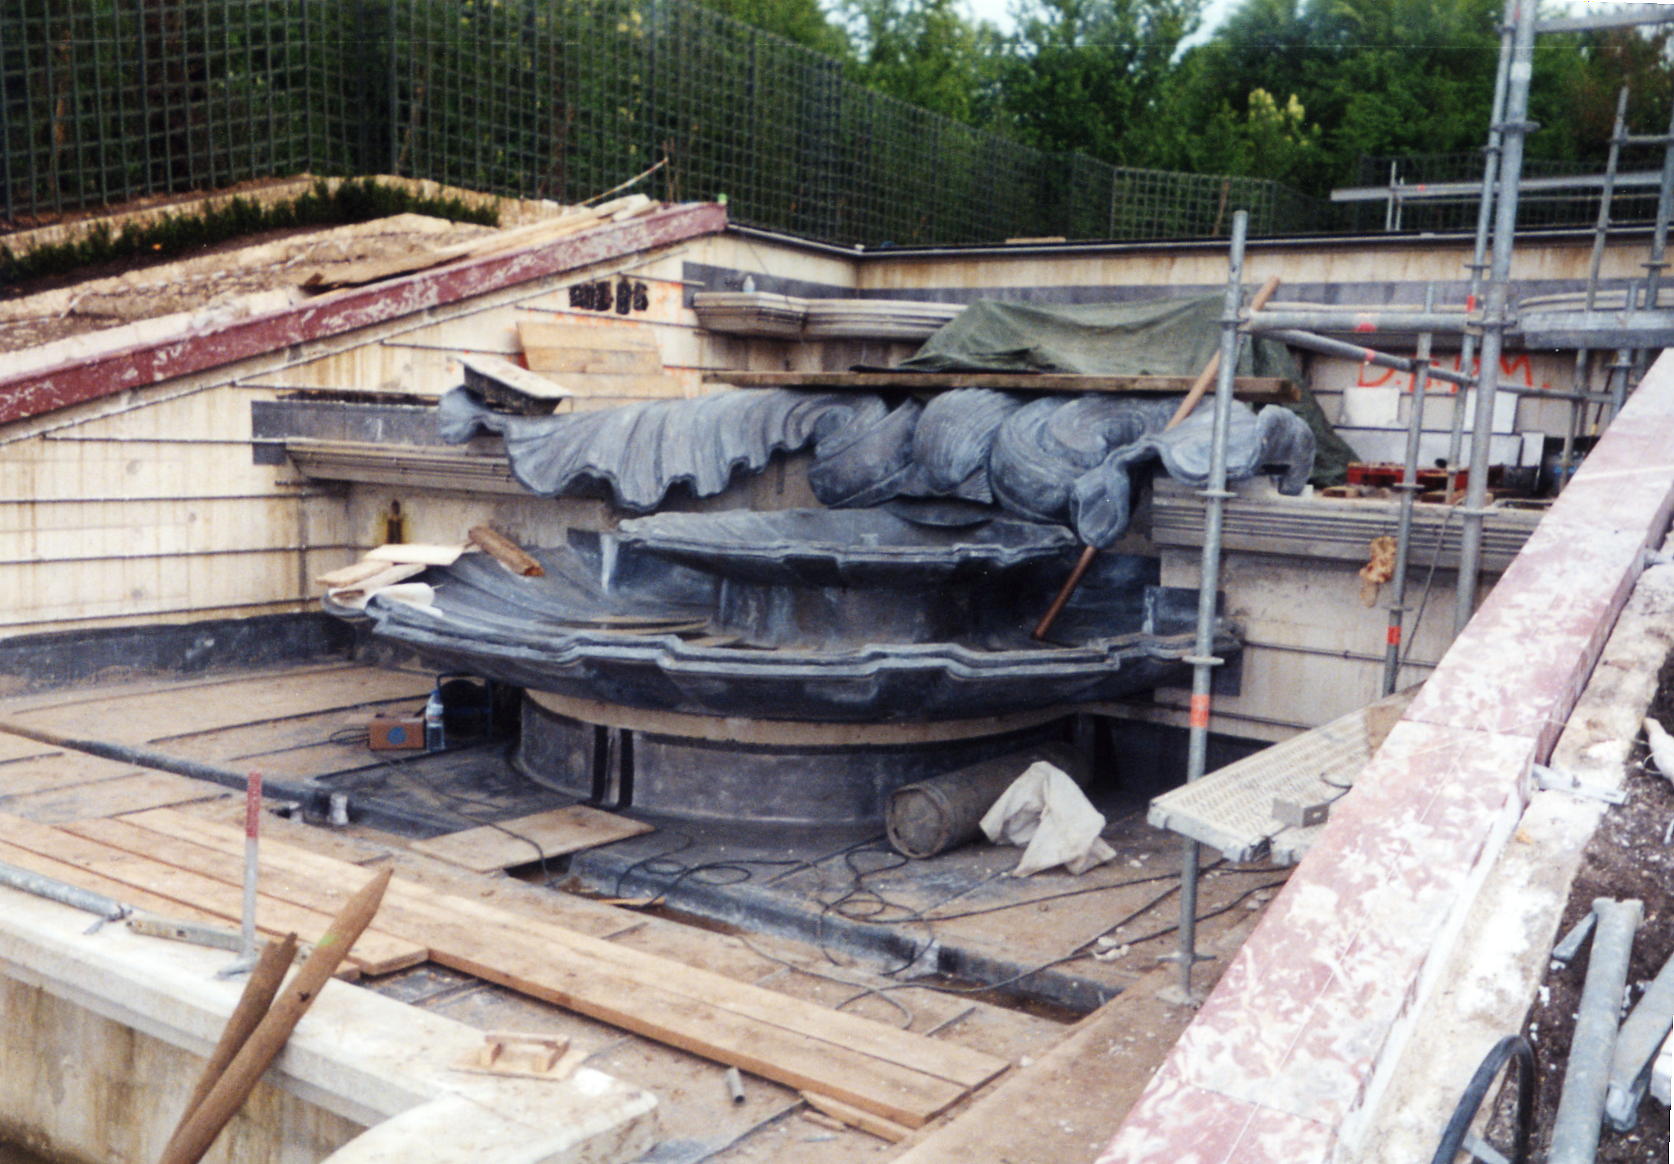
(353, 201)
(1088, 75)
(802, 22)
(925, 52)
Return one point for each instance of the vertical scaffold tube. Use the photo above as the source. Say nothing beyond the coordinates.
(1409, 488)
(1494, 316)
(1203, 660)
(1484, 217)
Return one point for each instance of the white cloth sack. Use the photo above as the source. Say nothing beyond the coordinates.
(1045, 810)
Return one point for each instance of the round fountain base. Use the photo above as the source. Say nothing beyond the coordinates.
(754, 771)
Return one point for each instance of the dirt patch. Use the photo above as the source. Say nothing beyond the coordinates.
(1628, 857)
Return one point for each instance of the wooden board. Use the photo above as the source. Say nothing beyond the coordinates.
(1256, 389)
(545, 340)
(415, 553)
(531, 838)
(148, 716)
(316, 870)
(95, 883)
(375, 953)
(1067, 1103)
(57, 770)
(130, 793)
(903, 1077)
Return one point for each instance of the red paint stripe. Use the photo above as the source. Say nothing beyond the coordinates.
(253, 805)
(34, 393)
(1200, 711)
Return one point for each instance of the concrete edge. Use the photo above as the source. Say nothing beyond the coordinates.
(1298, 1042)
(357, 1054)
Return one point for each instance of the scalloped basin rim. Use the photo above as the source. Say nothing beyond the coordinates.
(844, 537)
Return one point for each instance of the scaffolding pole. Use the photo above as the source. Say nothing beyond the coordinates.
(1601, 231)
(1403, 529)
(1484, 216)
(1495, 316)
(1203, 658)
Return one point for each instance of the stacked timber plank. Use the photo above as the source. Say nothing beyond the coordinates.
(181, 865)
(600, 363)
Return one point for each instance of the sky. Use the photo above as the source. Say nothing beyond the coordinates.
(997, 12)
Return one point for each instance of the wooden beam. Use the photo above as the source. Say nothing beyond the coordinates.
(1255, 389)
(904, 1077)
(375, 953)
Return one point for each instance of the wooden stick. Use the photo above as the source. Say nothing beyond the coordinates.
(854, 1117)
(199, 1130)
(1193, 395)
(505, 551)
(1088, 553)
(1201, 385)
(264, 983)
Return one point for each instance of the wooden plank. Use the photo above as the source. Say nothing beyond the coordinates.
(413, 553)
(542, 336)
(855, 1118)
(139, 790)
(1256, 389)
(530, 838)
(75, 875)
(591, 385)
(149, 716)
(57, 770)
(525, 963)
(375, 953)
(319, 870)
(946, 1060)
(902, 1076)
(1067, 1103)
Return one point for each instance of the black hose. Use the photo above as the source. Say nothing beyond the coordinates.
(1453, 1136)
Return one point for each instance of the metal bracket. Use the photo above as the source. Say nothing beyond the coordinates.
(1553, 780)
(1203, 660)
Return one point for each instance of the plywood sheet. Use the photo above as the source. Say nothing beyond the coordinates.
(531, 838)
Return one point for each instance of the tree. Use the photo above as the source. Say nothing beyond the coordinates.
(802, 21)
(1088, 75)
(923, 52)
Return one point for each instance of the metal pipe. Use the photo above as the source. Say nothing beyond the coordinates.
(1326, 346)
(1203, 661)
(313, 796)
(1513, 128)
(1331, 319)
(1637, 1044)
(1403, 528)
(1484, 216)
(62, 892)
(1601, 229)
(1575, 1130)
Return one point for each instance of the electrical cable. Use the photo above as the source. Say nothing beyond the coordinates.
(1082, 951)
(1464, 1112)
(352, 736)
(1429, 578)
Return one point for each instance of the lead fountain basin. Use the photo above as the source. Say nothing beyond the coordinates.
(848, 575)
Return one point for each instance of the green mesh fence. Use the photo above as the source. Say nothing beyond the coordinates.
(110, 100)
